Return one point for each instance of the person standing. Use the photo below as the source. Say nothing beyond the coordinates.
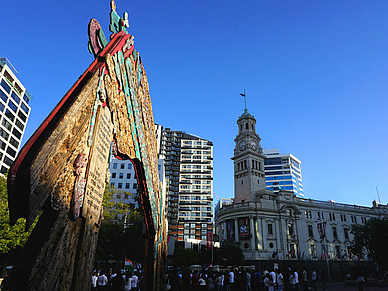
(194, 281)
(134, 282)
(202, 282)
(94, 281)
(279, 280)
(102, 282)
(231, 280)
(248, 281)
(296, 276)
(273, 276)
(127, 282)
(292, 281)
(305, 280)
(314, 280)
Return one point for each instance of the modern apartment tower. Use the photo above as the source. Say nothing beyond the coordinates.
(282, 172)
(14, 113)
(188, 162)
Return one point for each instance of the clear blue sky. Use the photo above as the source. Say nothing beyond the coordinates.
(315, 73)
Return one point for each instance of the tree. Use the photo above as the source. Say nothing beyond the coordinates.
(12, 238)
(185, 257)
(230, 253)
(122, 229)
(371, 238)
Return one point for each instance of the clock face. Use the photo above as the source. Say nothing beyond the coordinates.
(242, 145)
(253, 145)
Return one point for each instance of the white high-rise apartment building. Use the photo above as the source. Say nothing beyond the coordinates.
(188, 161)
(282, 172)
(14, 113)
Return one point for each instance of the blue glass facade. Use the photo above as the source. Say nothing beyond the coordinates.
(282, 172)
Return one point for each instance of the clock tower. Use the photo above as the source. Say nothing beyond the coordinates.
(249, 177)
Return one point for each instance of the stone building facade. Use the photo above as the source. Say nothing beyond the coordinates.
(279, 225)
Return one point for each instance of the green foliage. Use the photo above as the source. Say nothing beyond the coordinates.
(230, 254)
(371, 238)
(12, 238)
(185, 257)
(121, 233)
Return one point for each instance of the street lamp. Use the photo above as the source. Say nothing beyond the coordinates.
(323, 237)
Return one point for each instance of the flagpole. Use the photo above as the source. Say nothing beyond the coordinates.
(245, 98)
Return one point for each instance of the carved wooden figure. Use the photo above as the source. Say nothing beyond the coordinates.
(60, 173)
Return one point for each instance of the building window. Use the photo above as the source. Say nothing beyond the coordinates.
(335, 232)
(113, 175)
(121, 175)
(134, 186)
(128, 175)
(129, 166)
(346, 233)
(122, 166)
(127, 185)
(9, 115)
(290, 229)
(22, 116)
(112, 184)
(16, 133)
(270, 230)
(15, 97)
(338, 252)
(313, 252)
(120, 185)
(310, 228)
(12, 106)
(114, 166)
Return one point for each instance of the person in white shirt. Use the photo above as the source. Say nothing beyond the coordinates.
(279, 280)
(94, 281)
(296, 276)
(127, 282)
(231, 280)
(135, 278)
(102, 281)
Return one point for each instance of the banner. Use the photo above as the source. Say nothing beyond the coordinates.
(321, 227)
(243, 225)
(230, 230)
(209, 240)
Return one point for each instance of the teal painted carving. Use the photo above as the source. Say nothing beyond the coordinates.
(117, 24)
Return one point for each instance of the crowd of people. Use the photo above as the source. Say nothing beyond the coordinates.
(117, 281)
(240, 279)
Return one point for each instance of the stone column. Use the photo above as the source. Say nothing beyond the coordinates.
(253, 247)
(259, 234)
(236, 230)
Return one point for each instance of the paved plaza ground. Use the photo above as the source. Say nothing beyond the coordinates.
(341, 286)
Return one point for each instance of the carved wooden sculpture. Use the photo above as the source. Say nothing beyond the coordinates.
(60, 173)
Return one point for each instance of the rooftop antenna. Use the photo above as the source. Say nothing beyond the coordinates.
(378, 195)
(245, 99)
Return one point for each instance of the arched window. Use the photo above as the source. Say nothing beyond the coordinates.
(246, 126)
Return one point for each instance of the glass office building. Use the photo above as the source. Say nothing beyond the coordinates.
(14, 113)
(282, 172)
